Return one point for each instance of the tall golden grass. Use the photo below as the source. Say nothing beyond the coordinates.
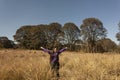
(34, 65)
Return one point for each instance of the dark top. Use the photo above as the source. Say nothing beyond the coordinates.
(54, 56)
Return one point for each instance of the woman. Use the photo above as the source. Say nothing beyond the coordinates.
(54, 58)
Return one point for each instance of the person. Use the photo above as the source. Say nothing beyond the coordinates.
(54, 59)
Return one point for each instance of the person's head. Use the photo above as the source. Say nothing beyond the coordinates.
(54, 49)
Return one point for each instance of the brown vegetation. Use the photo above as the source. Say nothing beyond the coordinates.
(34, 65)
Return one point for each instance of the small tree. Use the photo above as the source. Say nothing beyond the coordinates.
(106, 45)
(6, 43)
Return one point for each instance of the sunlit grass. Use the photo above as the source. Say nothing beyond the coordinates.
(34, 65)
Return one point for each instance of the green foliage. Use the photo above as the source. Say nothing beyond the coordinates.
(32, 37)
(6, 43)
(55, 32)
(92, 30)
(72, 33)
(89, 38)
(106, 45)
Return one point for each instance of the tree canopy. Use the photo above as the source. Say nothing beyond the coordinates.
(89, 37)
(72, 33)
(92, 29)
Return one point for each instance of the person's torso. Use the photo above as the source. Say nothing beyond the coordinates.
(54, 57)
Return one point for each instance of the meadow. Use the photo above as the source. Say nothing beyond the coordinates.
(34, 65)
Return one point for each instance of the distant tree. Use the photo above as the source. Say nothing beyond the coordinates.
(106, 45)
(92, 29)
(118, 34)
(71, 34)
(6, 43)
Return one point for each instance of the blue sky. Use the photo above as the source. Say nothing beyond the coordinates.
(16, 13)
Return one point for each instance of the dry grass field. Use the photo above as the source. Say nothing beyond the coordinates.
(34, 65)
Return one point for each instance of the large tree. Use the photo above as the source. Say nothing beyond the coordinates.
(54, 33)
(34, 36)
(71, 34)
(23, 36)
(31, 36)
(92, 29)
(38, 37)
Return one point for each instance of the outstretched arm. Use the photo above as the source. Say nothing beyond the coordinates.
(45, 50)
(60, 51)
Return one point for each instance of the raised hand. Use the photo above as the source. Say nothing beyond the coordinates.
(41, 47)
(66, 47)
